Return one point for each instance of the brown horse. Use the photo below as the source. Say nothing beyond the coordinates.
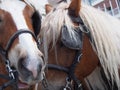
(18, 46)
(82, 44)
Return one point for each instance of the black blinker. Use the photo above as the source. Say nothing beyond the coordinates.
(36, 21)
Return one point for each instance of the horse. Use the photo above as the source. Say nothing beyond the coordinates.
(81, 46)
(21, 63)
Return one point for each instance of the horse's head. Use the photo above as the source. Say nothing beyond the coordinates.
(61, 28)
(17, 21)
(62, 24)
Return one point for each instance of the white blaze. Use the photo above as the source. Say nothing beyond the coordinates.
(16, 8)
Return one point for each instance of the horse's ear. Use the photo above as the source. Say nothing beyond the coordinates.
(48, 8)
(74, 8)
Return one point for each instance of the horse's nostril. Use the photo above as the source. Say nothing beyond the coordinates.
(42, 57)
(22, 68)
(22, 63)
(39, 68)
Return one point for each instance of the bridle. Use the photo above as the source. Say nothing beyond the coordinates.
(71, 70)
(12, 76)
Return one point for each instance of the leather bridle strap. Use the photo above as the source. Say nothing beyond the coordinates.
(15, 35)
(57, 67)
(4, 52)
(70, 71)
(13, 75)
(76, 61)
(11, 82)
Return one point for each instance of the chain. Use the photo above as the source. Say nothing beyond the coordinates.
(11, 72)
(68, 84)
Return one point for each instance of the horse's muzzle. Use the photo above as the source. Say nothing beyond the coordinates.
(30, 70)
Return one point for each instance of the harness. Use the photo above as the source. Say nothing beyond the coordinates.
(71, 70)
(12, 76)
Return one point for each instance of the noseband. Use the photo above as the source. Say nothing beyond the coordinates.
(13, 74)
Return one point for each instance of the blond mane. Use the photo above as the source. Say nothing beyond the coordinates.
(105, 33)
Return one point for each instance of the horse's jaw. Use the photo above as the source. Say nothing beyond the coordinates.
(55, 80)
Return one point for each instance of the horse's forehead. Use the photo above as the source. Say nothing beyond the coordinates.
(12, 5)
(15, 9)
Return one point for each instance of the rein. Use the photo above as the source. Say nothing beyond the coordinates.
(13, 74)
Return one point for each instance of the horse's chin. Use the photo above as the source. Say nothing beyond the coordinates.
(22, 85)
(26, 85)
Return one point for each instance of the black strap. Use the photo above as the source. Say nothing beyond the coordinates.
(15, 35)
(57, 67)
(11, 82)
(71, 74)
(4, 76)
